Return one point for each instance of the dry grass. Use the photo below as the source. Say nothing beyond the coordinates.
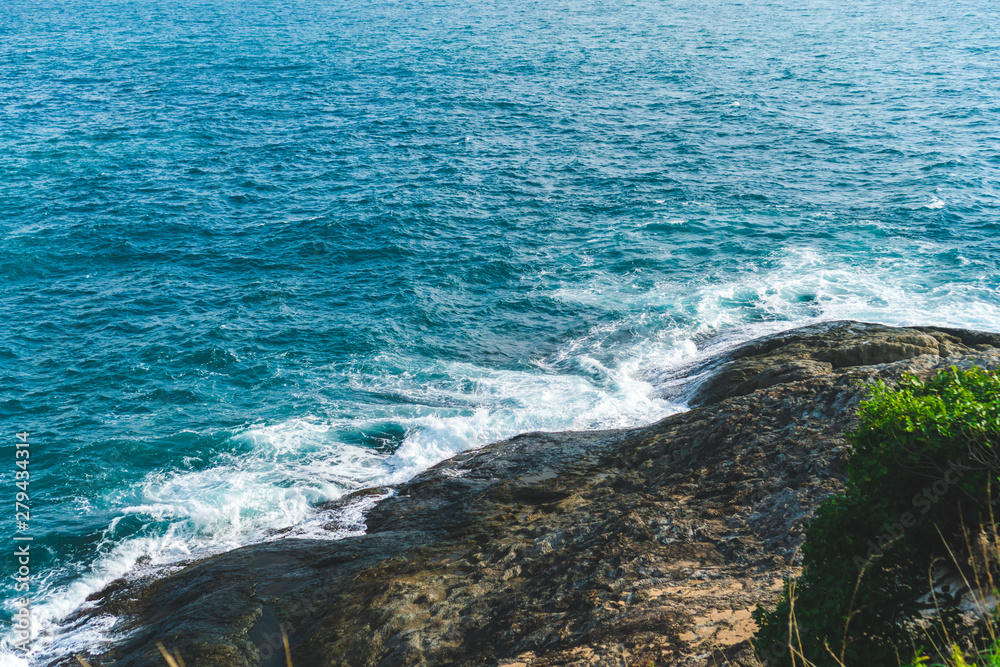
(945, 650)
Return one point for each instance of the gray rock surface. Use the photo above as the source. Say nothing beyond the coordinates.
(629, 547)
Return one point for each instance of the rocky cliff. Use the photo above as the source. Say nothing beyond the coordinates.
(629, 547)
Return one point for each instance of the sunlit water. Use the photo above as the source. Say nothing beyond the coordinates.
(257, 255)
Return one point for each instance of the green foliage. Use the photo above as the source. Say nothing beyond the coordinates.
(924, 460)
(988, 658)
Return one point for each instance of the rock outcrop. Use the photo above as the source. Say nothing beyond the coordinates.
(648, 546)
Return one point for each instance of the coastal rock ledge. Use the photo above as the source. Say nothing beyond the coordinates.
(628, 547)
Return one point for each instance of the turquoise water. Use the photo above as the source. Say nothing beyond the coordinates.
(256, 255)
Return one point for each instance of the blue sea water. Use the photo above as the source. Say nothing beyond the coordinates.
(256, 255)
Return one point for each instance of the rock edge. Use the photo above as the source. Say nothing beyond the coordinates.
(639, 546)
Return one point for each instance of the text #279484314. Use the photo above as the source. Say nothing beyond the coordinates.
(22, 544)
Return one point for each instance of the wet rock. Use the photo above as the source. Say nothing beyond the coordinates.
(816, 350)
(641, 546)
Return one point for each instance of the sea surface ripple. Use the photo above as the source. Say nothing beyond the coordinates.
(256, 255)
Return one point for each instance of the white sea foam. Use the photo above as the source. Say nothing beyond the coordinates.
(803, 284)
(9, 659)
(277, 474)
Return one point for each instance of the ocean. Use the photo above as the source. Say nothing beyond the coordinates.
(258, 255)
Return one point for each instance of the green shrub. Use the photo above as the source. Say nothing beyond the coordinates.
(924, 460)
